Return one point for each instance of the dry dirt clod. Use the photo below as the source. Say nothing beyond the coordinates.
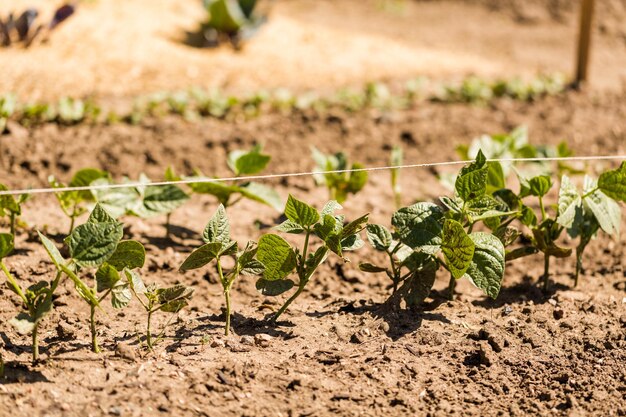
(487, 357)
(124, 351)
(218, 343)
(247, 340)
(65, 330)
(558, 313)
(262, 340)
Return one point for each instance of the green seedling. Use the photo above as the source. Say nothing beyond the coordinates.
(97, 245)
(339, 184)
(36, 299)
(281, 259)
(153, 298)
(427, 237)
(234, 19)
(74, 203)
(8, 106)
(241, 163)
(219, 245)
(395, 160)
(11, 207)
(143, 201)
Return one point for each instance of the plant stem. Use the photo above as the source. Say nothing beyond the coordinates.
(289, 301)
(72, 217)
(35, 343)
(451, 287)
(543, 210)
(12, 283)
(149, 331)
(227, 297)
(94, 336)
(394, 271)
(546, 272)
(13, 224)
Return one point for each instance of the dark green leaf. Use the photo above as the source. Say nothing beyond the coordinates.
(85, 177)
(613, 183)
(368, 267)
(457, 247)
(277, 256)
(300, 212)
(91, 244)
(290, 227)
(378, 236)
(128, 254)
(486, 269)
(218, 228)
(6, 244)
(472, 180)
(419, 226)
(357, 179)
(354, 226)
(201, 256)
(246, 163)
(421, 282)
(540, 185)
(106, 277)
(100, 215)
(274, 288)
(164, 198)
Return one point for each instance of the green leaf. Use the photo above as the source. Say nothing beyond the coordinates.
(277, 256)
(221, 191)
(290, 227)
(121, 295)
(371, 268)
(176, 292)
(569, 202)
(262, 194)
(472, 180)
(486, 269)
(128, 254)
(6, 244)
(164, 198)
(85, 177)
(91, 244)
(352, 242)
(135, 282)
(325, 227)
(100, 215)
(274, 288)
(315, 260)
(539, 185)
(201, 256)
(354, 226)
(457, 247)
(106, 277)
(174, 306)
(218, 228)
(53, 252)
(378, 236)
(419, 226)
(605, 210)
(528, 216)
(357, 180)
(495, 177)
(507, 235)
(246, 163)
(300, 212)
(613, 183)
(330, 208)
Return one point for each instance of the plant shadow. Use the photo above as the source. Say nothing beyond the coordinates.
(527, 290)
(20, 373)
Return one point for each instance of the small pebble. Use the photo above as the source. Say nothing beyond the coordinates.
(218, 343)
(124, 351)
(247, 340)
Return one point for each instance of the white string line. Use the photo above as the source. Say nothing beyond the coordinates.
(201, 180)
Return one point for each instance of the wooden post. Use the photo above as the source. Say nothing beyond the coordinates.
(584, 41)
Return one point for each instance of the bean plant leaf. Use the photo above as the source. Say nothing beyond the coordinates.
(100, 215)
(202, 256)
(274, 288)
(613, 183)
(315, 260)
(301, 213)
(421, 282)
(262, 194)
(290, 227)
(457, 247)
(472, 180)
(605, 209)
(128, 254)
(85, 177)
(569, 202)
(539, 185)
(218, 228)
(330, 208)
(354, 226)
(248, 162)
(277, 257)
(106, 277)
(121, 295)
(91, 244)
(6, 244)
(221, 191)
(164, 198)
(357, 179)
(378, 236)
(371, 268)
(135, 282)
(486, 269)
(495, 177)
(419, 225)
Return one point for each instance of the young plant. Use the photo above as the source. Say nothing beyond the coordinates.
(280, 259)
(143, 201)
(427, 237)
(241, 163)
(74, 203)
(218, 245)
(339, 184)
(36, 299)
(97, 245)
(11, 207)
(153, 298)
(8, 105)
(234, 19)
(396, 160)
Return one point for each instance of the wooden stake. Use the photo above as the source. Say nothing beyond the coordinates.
(584, 41)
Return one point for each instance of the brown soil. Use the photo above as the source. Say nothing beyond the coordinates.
(335, 352)
(115, 49)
